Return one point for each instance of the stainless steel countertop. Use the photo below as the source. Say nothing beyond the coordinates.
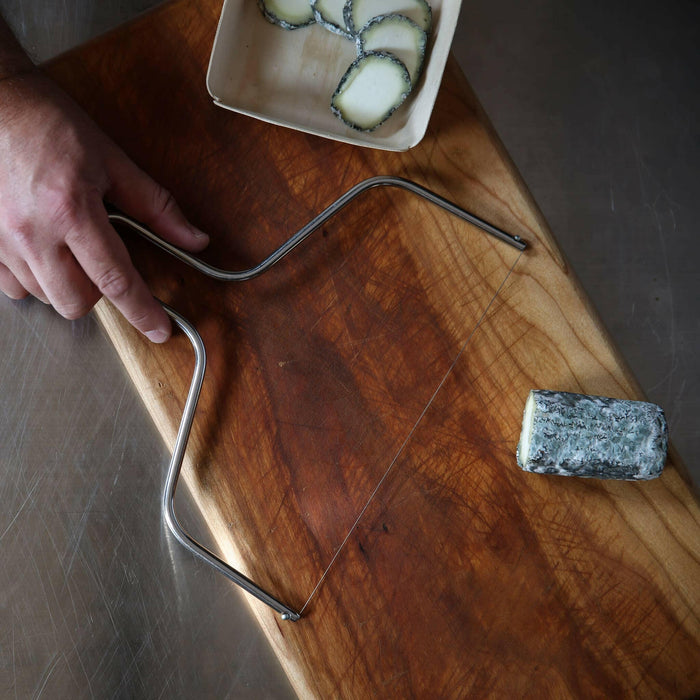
(598, 109)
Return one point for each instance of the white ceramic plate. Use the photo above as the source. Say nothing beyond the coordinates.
(288, 77)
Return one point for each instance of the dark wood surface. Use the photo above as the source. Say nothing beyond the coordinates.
(465, 576)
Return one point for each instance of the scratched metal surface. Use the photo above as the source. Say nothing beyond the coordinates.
(96, 600)
(599, 110)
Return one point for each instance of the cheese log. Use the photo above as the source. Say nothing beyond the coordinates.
(592, 436)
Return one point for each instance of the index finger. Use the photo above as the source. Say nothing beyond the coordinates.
(104, 258)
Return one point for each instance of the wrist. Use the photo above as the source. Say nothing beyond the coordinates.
(19, 92)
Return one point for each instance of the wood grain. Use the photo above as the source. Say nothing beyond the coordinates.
(465, 576)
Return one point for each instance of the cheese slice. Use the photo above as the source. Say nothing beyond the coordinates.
(373, 87)
(397, 35)
(290, 14)
(329, 14)
(359, 12)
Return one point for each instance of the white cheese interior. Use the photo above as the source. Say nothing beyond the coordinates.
(406, 40)
(526, 433)
(377, 85)
(292, 11)
(332, 11)
(417, 10)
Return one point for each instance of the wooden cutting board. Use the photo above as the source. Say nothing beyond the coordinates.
(400, 336)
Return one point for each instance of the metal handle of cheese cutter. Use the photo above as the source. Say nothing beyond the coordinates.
(200, 355)
(175, 466)
(303, 233)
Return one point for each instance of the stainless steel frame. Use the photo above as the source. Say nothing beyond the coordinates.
(200, 354)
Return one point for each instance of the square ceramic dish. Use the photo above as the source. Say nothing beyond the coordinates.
(288, 77)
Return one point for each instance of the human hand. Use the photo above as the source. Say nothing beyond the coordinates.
(56, 242)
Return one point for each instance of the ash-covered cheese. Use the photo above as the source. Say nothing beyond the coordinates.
(592, 436)
(288, 14)
(373, 87)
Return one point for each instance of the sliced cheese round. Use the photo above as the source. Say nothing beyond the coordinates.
(359, 12)
(290, 14)
(373, 87)
(397, 35)
(329, 14)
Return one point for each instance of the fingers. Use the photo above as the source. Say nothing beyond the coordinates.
(80, 257)
(72, 276)
(100, 252)
(68, 289)
(137, 194)
(55, 238)
(21, 281)
(9, 284)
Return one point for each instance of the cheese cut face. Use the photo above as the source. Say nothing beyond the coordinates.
(329, 14)
(359, 12)
(373, 87)
(290, 14)
(592, 436)
(399, 36)
(391, 38)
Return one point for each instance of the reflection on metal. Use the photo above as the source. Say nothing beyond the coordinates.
(200, 354)
(303, 233)
(175, 466)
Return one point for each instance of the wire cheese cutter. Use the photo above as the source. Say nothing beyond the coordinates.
(196, 384)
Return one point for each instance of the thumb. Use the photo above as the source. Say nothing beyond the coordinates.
(138, 195)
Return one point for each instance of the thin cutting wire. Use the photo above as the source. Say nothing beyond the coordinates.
(184, 429)
(393, 462)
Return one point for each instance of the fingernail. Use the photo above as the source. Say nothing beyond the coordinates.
(157, 336)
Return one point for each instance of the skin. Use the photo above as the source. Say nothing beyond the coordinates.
(58, 167)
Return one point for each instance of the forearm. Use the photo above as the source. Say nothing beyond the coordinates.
(13, 60)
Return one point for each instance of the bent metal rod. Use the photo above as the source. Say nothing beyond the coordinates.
(197, 382)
